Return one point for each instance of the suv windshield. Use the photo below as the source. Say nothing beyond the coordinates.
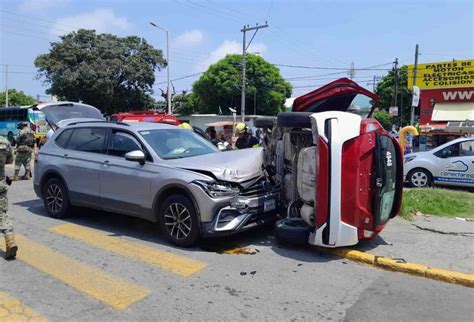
(177, 143)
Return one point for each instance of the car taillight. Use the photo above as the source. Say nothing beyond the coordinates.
(369, 125)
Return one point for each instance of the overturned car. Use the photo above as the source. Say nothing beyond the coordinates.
(339, 171)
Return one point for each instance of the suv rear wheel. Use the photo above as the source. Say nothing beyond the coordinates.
(56, 199)
(178, 221)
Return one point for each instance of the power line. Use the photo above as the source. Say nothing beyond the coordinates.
(25, 35)
(38, 19)
(328, 68)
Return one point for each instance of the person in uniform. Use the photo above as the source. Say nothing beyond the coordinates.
(6, 157)
(25, 143)
(245, 140)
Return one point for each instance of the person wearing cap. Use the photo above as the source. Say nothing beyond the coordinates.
(245, 140)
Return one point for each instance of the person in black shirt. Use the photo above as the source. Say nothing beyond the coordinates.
(245, 140)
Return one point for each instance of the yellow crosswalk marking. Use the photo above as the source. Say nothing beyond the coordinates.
(165, 260)
(104, 287)
(11, 309)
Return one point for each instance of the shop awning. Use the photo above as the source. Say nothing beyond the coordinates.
(453, 112)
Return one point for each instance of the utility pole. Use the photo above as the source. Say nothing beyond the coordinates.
(395, 85)
(374, 83)
(244, 52)
(415, 70)
(168, 90)
(255, 102)
(6, 85)
(351, 71)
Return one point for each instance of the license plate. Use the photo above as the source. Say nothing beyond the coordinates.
(269, 205)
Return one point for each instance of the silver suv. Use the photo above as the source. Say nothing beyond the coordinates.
(158, 172)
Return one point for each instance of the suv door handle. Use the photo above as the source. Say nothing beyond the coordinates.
(65, 155)
(106, 163)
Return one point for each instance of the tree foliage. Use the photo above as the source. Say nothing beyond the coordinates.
(184, 103)
(110, 72)
(384, 119)
(385, 89)
(16, 98)
(221, 86)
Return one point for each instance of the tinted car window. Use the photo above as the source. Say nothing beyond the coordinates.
(63, 138)
(88, 140)
(467, 148)
(449, 151)
(121, 143)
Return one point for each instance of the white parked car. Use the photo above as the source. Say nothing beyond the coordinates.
(449, 164)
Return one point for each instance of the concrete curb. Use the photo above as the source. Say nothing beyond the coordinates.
(401, 266)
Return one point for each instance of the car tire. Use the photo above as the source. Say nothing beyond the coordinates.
(292, 231)
(420, 178)
(56, 198)
(264, 122)
(294, 120)
(178, 221)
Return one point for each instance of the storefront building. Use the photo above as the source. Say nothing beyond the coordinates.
(446, 107)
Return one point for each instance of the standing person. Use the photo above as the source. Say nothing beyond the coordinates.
(6, 227)
(25, 143)
(245, 140)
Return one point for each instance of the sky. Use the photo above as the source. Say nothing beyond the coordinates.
(317, 40)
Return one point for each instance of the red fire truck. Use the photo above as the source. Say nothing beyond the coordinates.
(145, 116)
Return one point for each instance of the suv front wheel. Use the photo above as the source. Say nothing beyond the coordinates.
(56, 199)
(178, 221)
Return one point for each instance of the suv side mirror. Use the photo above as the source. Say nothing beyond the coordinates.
(137, 156)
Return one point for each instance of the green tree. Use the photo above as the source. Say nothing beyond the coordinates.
(112, 73)
(16, 98)
(220, 86)
(384, 119)
(184, 103)
(385, 89)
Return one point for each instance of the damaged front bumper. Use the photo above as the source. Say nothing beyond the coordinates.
(241, 213)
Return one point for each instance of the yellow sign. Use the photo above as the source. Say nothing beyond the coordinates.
(458, 73)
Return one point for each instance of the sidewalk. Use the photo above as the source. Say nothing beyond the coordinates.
(438, 242)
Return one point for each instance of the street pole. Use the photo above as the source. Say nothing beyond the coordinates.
(242, 103)
(6, 85)
(395, 89)
(168, 90)
(374, 84)
(415, 70)
(245, 46)
(168, 95)
(255, 102)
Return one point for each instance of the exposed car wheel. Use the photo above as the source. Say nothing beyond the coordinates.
(264, 122)
(178, 221)
(56, 199)
(292, 231)
(420, 178)
(294, 120)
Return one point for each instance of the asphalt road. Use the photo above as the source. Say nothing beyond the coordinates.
(101, 266)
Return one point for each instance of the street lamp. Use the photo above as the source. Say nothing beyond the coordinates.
(168, 91)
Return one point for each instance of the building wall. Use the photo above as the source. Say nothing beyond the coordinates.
(429, 97)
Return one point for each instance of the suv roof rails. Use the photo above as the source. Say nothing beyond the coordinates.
(99, 121)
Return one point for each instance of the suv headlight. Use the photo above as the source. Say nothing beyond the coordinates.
(408, 159)
(217, 189)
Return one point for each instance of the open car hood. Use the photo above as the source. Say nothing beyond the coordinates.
(233, 166)
(60, 111)
(335, 96)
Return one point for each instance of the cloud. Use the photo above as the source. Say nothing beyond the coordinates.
(101, 19)
(33, 6)
(229, 47)
(188, 39)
